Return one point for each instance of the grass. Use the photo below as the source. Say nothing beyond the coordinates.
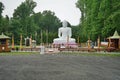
(112, 54)
(18, 53)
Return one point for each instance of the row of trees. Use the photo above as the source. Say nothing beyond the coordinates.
(26, 22)
(99, 18)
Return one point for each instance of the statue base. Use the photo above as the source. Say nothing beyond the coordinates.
(64, 43)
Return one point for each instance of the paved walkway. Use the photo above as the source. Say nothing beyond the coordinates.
(59, 67)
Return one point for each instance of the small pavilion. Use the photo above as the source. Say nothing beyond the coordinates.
(4, 43)
(114, 41)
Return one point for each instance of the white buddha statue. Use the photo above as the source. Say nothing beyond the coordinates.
(64, 34)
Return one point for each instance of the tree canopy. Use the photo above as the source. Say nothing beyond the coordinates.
(26, 22)
(1, 9)
(99, 18)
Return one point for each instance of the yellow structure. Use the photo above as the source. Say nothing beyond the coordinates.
(99, 43)
(88, 43)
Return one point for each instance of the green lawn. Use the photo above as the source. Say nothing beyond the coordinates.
(113, 54)
(18, 53)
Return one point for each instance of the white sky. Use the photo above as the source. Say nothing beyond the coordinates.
(64, 9)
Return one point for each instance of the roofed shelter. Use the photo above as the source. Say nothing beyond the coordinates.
(114, 41)
(4, 43)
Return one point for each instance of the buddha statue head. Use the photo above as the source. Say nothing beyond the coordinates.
(64, 23)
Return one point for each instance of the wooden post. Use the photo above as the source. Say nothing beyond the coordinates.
(12, 42)
(20, 42)
(31, 41)
(88, 43)
(98, 42)
(109, 44)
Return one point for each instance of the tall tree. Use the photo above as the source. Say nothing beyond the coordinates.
(50, 21)
(1, 9)
(112, 20)
(22, 14)
(101, 17)
(25, 9)
(4, 21)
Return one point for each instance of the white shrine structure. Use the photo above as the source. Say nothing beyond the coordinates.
(64, 34)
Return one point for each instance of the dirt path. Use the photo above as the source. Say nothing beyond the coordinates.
(59, 67)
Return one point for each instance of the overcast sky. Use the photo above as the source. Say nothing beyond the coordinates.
(64, 9)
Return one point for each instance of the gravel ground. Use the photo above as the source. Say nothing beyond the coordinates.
(59, 67)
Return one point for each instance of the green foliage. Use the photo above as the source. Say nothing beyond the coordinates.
(99, 18)
(1, 19)
(1, 9)
(48, 23)
(26, 22)
(24, 10)
(23, 17)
